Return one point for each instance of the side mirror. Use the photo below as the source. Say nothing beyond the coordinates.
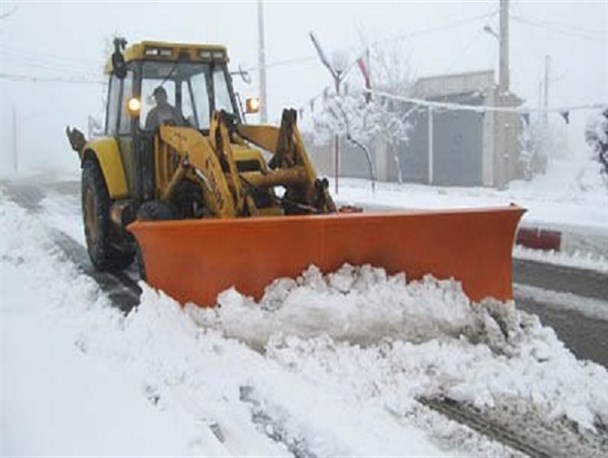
(118, 60)
(252, 105)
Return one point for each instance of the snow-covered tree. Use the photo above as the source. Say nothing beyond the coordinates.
(363, 120)
(596, 136)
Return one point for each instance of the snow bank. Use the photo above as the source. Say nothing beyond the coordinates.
(406, 341)
(355, 304)
(56, 399)
(80, 379)
(571, 193)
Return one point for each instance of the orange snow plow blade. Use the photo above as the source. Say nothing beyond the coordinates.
(194, 260)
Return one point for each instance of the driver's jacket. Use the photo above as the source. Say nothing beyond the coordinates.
(163, 114)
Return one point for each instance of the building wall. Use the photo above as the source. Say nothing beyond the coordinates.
(469, 148)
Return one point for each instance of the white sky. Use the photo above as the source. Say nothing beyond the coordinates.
(68, 40)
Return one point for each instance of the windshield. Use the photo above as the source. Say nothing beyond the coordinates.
(184, 93)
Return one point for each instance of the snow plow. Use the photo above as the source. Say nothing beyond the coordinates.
(206, 202)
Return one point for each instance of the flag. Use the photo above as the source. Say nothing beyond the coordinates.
(365, 72)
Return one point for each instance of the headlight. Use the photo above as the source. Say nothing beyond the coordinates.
(252, 105)
(133, 106)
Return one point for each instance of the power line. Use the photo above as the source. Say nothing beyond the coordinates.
(430, 30)
(417, 33)
(33, 66)
(47, 79)
(280, 63)
(558, 29)
(464, 50)
(34, 53)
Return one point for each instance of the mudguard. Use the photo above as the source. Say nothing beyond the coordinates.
(106, 151)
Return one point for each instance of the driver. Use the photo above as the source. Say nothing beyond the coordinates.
(163, 112)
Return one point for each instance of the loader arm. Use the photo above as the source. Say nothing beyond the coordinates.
(290, 158)
(182, 152)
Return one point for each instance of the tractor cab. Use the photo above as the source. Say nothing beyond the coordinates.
(153, 83)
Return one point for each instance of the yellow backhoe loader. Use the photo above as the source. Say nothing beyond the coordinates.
(210, 202)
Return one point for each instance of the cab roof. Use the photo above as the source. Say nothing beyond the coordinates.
(171, 52)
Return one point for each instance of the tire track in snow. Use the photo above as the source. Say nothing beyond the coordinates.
(120, 288)
(529, 436)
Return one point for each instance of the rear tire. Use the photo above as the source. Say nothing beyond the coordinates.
(97, 224)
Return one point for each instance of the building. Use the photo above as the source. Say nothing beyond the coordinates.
(467, 148)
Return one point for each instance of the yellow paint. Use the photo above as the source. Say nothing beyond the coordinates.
(137, 52)
(201, 156)
(264, 136)
(108, 155)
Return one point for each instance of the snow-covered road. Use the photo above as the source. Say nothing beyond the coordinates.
(337, 364)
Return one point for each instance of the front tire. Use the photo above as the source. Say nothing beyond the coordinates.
(153, 210)
(97, 224)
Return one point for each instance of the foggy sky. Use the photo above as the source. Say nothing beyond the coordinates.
(49, 39)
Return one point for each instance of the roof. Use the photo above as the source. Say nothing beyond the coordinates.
(171, 52)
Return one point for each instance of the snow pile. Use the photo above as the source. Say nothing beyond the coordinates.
(356, 304)
(79, 378)
(406, 341)
(56, 399)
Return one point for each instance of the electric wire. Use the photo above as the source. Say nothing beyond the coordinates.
(36, 54)
(560, 30)
(48, 79)
(417, 33)
(442, 27)
(464, 51)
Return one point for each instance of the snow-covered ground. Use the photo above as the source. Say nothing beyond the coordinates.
(324, 365)
(571, 198)
(570, 194)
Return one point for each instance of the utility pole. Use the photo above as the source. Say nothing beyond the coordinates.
(262, 63)
(15, 142)
(503, 89)
(503, 37)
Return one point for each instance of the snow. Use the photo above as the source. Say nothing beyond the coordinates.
(323, 365)
(581, 260)
(586, 306)
(78, 378)
(571, 193)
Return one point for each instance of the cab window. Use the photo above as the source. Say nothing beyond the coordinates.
(113, 105)
(127, 92)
